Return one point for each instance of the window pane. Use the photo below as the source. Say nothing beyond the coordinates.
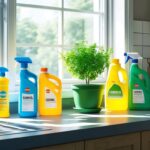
(41, 57)
(55, 3)
(65, 73)
(37, 26)
(78, 26)
(88, 5)
(40, 29)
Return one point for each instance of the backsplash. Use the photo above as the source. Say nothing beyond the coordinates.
(141, 40)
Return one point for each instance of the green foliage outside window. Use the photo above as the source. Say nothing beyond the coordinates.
(46, 34)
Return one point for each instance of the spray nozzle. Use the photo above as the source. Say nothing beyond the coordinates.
(133, 56)
(2, 71)
(24, 61)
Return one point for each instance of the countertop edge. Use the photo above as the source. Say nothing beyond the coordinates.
(74, 135)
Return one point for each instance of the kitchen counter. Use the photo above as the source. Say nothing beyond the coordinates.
(73, 126)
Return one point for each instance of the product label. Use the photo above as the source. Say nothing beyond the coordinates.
(3, 94)
(115, 92)
(50, 99)
(27, 102)
(3, 100)
(138, 96)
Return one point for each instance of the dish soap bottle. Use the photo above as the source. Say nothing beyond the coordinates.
(139, 84)
(4, 98)
(50, 89)
(27, 105)
(116, 90)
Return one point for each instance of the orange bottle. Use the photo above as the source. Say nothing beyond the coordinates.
(50, 91)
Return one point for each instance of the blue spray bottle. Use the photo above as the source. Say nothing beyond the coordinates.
(27, 105)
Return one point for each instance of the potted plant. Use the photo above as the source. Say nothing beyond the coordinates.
(85, 61)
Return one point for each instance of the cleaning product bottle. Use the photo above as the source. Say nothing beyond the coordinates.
(139, 84)
(116, 90)
(148, 66)
(27, 105)
(50, 89)
(4, 98)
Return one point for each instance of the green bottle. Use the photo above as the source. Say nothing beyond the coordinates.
(139, 84)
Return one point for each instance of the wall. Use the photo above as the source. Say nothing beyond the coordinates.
(141, 41)
(141, 30)
(141, 10)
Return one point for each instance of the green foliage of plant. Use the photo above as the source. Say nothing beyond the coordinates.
(85, 61)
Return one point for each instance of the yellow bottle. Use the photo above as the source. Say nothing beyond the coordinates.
(4, 98)
(116, 90)
(50, 91)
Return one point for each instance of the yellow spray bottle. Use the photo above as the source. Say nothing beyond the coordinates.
(50, 90)
(4, 100)
(116, 89)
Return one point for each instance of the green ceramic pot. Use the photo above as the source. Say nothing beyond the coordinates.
(88, 98)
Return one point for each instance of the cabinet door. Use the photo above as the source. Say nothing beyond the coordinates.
(146, 140)
(70, 146)
(121, 142)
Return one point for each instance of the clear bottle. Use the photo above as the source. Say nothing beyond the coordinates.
(50, 91)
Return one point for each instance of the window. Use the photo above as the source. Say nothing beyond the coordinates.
(44, 28)
(41, 29)
(1, 30)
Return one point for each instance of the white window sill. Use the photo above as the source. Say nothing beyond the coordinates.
(67, 93)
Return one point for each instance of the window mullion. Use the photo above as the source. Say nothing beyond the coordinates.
(105, 33)
(62, 41)
(10, 39)
(57, 8)
(1, 32)
(109, 23)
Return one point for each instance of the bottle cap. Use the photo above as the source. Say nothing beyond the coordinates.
(24, 61)
(2, 71)
(135, 61)
(116, 61)
(44, 69)
(133, 56)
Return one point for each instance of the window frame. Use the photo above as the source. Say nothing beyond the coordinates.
(67, 82)
(8, 41)
(1, 32)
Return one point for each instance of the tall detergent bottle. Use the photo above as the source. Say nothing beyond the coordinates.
(4, 98)
(139, 84)
(116, 90)
(27, 105)
(50, 90)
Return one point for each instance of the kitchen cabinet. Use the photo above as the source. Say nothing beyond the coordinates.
(70, 146)
(121, 142)
(145, 140)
